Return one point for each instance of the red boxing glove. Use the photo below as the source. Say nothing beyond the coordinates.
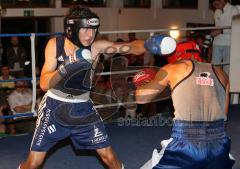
(144, 76)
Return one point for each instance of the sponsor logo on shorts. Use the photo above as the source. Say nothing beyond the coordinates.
(204, 79)
(98, 136)
(45, 121)
(51, 129)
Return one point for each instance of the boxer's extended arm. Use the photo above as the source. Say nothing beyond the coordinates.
(159, 44)
(147, 92)
(49, 76)
(106, 47)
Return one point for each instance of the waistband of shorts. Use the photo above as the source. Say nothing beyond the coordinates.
(64, 97)
(198, 130)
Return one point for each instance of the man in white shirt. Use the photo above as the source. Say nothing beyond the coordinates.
(222, 37)
(20, 101)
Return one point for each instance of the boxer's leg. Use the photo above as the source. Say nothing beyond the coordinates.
(34, 160)
(109, 158)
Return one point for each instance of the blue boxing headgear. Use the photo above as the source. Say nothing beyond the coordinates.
(79, 17)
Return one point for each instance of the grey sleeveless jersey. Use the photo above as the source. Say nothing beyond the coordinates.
(200, 96)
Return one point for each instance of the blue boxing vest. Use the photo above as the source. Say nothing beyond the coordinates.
(78, 83)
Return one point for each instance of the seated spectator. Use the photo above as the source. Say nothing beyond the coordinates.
(5, 89)
(2, 125)
(6, 76)
(20, 101)
(131, 36)
(6, 127)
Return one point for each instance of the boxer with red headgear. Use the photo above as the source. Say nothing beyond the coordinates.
(200, 94)
(186, 50)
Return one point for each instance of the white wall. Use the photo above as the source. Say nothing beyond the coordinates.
(116, 17)
(234, 55)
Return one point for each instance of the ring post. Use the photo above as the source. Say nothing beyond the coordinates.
(34, 81)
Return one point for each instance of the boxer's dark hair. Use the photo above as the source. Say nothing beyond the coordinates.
(80, 11)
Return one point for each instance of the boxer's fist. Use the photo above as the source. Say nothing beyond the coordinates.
(144, 76)
(78, 61)
(160, 45)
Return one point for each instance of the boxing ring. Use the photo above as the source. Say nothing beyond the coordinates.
(133, 140)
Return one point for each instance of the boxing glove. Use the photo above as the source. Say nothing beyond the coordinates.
(160, 45)
(144, 76)
(80, 60)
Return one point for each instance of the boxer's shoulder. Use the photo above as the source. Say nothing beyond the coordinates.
(178, 68)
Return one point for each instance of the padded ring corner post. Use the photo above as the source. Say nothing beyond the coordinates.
(34, 80)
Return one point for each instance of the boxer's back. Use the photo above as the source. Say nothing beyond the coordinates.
(200, 96)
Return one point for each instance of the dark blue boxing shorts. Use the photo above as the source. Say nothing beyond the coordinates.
(194, 145)
(58, 120)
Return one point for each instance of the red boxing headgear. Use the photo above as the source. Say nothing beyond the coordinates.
(186, 50)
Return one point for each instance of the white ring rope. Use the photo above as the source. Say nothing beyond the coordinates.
(162, 30)
(123, 103)
(118, 72)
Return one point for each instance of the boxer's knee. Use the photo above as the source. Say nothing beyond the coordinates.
(108, 156)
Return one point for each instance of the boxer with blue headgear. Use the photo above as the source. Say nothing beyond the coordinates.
(67, 77)
(78, 18)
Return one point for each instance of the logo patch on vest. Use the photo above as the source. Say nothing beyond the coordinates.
(204, 79)
(60, 58)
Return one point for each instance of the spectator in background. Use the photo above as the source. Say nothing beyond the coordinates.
(5, 89)
(1, 53)
(132, 36)
(3, 127)
(134, 60)
(6, 76)
(148, 59)
(16, 55)
(20, 101)
(222, 38)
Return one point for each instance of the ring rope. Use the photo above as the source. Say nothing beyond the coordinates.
(34, 114)
(29, 34)
(163, 30)
(118, 72)
(26, 114)
(18, 79)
